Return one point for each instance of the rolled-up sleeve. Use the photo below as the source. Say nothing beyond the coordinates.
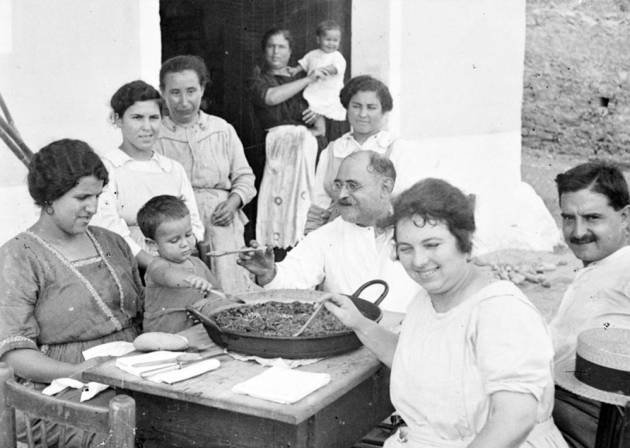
(513, 347)
(241, 174)
(18, 294)
(304, 266)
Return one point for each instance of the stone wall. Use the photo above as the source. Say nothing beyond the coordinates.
(576, 93)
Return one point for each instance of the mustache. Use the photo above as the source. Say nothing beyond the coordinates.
(583, 240)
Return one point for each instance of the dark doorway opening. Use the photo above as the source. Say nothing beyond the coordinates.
(227, 33)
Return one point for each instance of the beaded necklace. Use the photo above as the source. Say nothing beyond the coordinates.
(95, 295)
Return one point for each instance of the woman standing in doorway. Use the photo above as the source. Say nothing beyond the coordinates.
(213, 157)
(290, 143)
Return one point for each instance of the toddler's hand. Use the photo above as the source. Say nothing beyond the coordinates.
(198, 282)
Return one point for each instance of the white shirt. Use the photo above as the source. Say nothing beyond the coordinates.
(323, 95)
(343, 256)
(447, 366)
(326, 170)
(131, 184)
(598, 297)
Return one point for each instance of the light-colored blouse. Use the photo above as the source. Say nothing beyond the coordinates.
(447, 365)
(131, 184)
(211, 153)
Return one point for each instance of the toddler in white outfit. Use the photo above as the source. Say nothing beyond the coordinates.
(323, 95)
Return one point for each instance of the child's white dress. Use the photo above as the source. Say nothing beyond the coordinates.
(323, 95)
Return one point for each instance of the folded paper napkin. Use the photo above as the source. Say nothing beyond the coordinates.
(89, 390)
(282, 385)
(165, 359)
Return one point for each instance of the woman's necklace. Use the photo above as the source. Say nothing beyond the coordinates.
(95, 295)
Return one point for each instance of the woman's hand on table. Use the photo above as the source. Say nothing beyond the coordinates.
(224, 212)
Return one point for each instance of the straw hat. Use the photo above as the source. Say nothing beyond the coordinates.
(601, 370)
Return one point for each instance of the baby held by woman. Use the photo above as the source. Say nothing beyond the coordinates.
(323, 95)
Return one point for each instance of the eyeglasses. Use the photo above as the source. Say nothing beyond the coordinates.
(350, 185)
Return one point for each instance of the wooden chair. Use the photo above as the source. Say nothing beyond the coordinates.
(613, 430)
(118, 422)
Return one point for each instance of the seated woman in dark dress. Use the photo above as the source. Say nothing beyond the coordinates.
(65, 286)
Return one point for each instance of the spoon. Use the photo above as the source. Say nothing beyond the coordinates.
(318, 308)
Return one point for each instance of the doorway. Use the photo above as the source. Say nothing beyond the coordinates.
(227, 33)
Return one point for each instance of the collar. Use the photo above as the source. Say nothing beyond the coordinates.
(202, 122)
(378, 142)
(118, 158)
(378, 232)
(615, 257)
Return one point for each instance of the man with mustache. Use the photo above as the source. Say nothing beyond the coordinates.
(595, 209)
(352, 249)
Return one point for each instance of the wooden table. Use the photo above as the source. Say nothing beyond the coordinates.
(204, 412)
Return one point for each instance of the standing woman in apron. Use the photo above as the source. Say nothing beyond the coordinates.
(213, 157)
(367, 102)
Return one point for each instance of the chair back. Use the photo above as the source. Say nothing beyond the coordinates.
(117, 422)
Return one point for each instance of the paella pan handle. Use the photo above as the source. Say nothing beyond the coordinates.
(212, 328)
(361, 288)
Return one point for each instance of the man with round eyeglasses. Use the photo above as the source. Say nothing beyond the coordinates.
(350, 250)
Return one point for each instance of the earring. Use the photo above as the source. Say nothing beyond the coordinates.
(49, 210)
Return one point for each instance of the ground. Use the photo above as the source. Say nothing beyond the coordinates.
(539, 170)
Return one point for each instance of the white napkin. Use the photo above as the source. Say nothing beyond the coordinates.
(282, 385)
(116, 348)
(89, 390)
(189, 371)
(128, 364)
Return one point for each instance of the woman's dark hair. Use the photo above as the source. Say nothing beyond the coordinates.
(158, 210)
(326, 25)
(435, 200)
(366, 83)
(132, 92)
(57, 168)
(273, 32)
(185, 62)
(600, 177)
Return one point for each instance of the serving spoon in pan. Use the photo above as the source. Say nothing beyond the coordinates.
(318, 308)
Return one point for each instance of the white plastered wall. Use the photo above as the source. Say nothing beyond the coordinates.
(455, 70)
(460, 66)
(60, 62)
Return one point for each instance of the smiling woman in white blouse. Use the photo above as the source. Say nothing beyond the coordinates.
(472, 366)
(136, 172)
